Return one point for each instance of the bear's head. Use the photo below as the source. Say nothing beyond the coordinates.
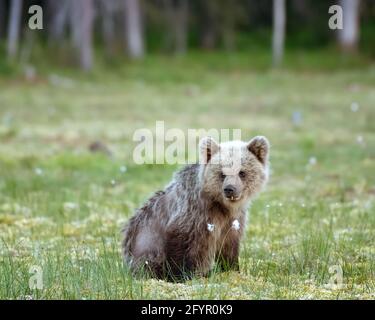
(233, 172)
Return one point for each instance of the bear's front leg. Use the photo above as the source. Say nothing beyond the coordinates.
(180, 264)
(228, 253)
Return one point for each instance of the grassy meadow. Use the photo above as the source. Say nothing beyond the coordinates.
(62, 206)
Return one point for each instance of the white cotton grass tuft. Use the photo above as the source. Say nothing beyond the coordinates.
(354, 106)
(210, 227)
(297, 118)
(38, 171)
(312, 161)
(236, 224)
(69, 206)
(123, 169)
(360, 140)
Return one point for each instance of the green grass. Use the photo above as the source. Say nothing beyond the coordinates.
(60, 210)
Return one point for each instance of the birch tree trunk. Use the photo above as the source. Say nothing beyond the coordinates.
(349, 35)
(279, 20)
(81, 18)
(14, 27)
(133, 29)
(87, 19)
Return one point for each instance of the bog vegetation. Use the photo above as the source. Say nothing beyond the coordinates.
(68, 182)
(62, 205)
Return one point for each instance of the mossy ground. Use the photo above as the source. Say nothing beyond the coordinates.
(62, 207)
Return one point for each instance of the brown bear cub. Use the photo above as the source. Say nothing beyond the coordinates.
(199, 218)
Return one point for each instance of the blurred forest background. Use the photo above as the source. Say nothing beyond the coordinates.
(88, 32)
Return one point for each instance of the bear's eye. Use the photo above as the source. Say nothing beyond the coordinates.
(222, 176)
(242, 174)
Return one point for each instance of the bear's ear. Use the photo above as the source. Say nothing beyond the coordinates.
(207, 148)
(260, 147)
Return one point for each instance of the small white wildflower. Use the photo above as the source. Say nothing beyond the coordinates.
(69, 206)
(354, 107)
(113, 182)
(210, 227)
(146, 262)
(58, 81)
(267, 206)
(297, 118)
(307, 297)
(38, 171)
(7, 119)
(123, 169)
(30, 72)
(312, 161)
(236, 224)
(360, 140)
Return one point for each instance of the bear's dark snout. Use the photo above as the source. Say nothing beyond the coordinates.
(230, 191)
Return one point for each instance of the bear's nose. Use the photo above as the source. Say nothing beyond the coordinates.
(230, 191)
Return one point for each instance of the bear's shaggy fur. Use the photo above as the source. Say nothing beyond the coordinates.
(200, 217)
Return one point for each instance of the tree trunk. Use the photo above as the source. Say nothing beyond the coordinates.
(303, 8)
(2, 18)
(59, 13)
(181, 26)
(229, 37)
(108, 25)
(209, 37)
(133, 29)
(349, 35)
(14, 27)
(177, 12)
(75, 22)
(87, 19)
(279, 19)
(208, 25)
(81, 18)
